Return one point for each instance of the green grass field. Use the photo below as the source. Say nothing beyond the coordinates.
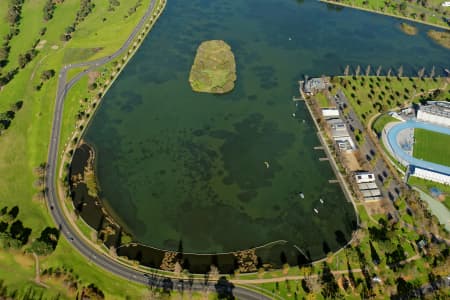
(426, 186)
(322, 100)
(369, 95)
(23, 146)
(432, 146)
(433, 13)
(381, 121)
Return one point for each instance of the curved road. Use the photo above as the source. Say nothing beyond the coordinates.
(57, 211)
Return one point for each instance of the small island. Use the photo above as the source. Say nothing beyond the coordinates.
(440, 37)
(408, 29)
(214, 68)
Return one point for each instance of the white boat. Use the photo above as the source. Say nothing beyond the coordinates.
(293, 114)
(321, 200)
(301, 195)
(267, 164)
(316, 211)
(290, 38)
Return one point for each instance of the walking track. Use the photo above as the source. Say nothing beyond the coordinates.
(56, 205)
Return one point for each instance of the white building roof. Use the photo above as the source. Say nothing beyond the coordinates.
(330, 112)
(363, 177)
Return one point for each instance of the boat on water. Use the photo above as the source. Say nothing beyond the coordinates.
(301, 195)
(293, 114)
(321, 200)
(316, 210)
(267, 164)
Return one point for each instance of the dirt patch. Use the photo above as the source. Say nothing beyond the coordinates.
(92, 77)
(41, 44)
(376, 208)
(24, 260)
(55, 47)
(350, 161)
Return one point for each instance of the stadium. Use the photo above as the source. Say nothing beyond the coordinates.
(422, 144)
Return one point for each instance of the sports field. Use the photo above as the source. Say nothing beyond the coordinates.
(432, 146)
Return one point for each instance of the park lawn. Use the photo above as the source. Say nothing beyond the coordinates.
(381, 122)
(23, 146)
(432, 146)
(113, 286)
(322, 100)
(65, 14)
(105, 29)
(30, 24)
(17, 271)
(369, 95)
(4, 25)
(426, 186)
(434, 12)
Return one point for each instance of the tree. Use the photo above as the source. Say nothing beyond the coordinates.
(421, 73)
(330, 288)
(40, 248)
(346, 70)
(403, 7)
(378, 71)
(400, 71)
(22, 61)
(433, 72)
(368, 70)
(47, 74)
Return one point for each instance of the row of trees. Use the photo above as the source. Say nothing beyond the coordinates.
(86, 7)
(112, 4)
(368, 71)
(45, 75)
(13, 234)
(49, 8)
(7, 117)
(13, 17)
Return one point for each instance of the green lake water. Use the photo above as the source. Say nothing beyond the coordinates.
(175, 165)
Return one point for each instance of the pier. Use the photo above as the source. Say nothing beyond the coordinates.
(340, 180)
(324, 159)
(319, 148)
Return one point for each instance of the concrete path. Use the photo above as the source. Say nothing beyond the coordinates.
(437, 208)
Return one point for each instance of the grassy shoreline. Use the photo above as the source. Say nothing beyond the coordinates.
(25, 144)
(385, 14)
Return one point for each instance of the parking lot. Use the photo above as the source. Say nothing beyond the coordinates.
(389, 186)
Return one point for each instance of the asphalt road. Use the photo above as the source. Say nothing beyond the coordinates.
(57, 211)
(368, 151)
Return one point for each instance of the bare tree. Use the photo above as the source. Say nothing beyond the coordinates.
(400, 71)
(378, 70)
(368, 70)
(346, 70)
(421, 72)
(358, 69)
(433, 72)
